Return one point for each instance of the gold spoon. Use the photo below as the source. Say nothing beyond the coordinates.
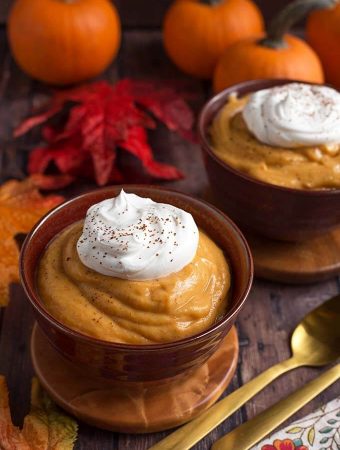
(315, 342)
(253, 431)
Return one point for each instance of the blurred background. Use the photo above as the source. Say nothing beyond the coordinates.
(149, 13)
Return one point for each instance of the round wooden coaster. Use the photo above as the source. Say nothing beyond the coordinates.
(296, 262)
(133, 407)
(310, 261)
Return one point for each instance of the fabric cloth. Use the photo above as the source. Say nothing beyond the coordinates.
(320, 430)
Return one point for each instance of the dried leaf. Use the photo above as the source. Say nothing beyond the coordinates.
(34, 121)
(45, 427)
(136, 143)
(164, 103)
(50, 182)
(21, 206)
(10, 436)
(102, 119)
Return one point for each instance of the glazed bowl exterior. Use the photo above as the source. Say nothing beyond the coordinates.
(272, 211)
(137, 362)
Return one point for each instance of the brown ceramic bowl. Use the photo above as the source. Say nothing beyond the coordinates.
(269, 210)
(137, 362)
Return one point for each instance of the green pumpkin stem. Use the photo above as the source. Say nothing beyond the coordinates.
(288, 17)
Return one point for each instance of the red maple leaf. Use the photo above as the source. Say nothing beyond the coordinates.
(102, 118)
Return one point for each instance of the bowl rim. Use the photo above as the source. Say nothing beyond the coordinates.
(203, 135)
(34, 300)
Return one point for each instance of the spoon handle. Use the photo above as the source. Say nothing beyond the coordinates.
(251, 432)
(187, 436)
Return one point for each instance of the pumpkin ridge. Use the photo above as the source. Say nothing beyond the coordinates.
(196, 32)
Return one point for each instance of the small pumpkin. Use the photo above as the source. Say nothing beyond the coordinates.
(196, 32)
(63, 41)
(277, 55)
(323, 34)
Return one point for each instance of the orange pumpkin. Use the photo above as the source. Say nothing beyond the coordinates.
(63, 41)
(277, 55)
(323, 34)
(196, 32)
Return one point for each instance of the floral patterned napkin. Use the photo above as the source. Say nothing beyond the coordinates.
(320, 430)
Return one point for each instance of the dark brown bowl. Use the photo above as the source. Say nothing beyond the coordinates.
(137, 362)
(272, 211)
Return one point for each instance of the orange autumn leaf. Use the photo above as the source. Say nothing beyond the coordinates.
(21, 206)
(45, 427)
(10, 436)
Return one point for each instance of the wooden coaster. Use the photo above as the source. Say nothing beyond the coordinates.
(296, 262)
(133, 407)
(309, 261)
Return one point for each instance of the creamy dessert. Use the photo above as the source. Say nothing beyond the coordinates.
(135, 271)
(287, 135)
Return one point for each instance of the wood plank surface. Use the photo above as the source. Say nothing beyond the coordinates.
(143, 56)
(271, 314)
(15, 103)
(265, 323)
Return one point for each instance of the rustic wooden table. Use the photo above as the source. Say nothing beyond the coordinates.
(272, 310)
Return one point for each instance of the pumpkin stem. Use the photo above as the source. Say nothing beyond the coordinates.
(290, 15)
(210, 2)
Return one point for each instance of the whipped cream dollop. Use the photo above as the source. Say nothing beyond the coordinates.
(295, 115)
(135, 238)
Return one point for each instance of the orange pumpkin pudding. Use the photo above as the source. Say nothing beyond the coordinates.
(287, 135)
(135, 272)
